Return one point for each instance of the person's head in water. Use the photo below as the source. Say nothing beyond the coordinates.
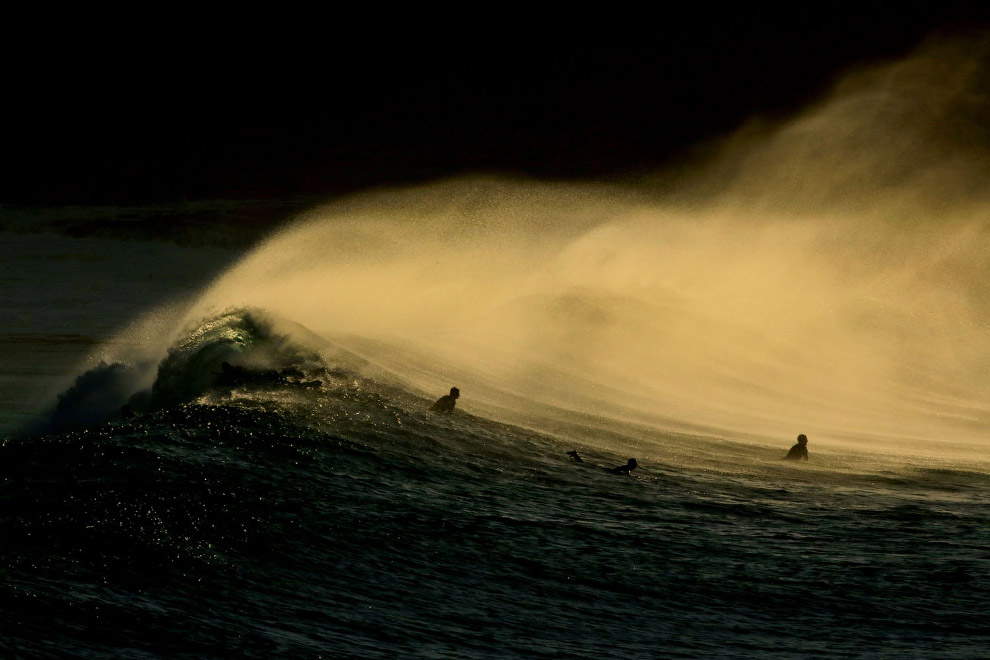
(455, 393)
(802, 439)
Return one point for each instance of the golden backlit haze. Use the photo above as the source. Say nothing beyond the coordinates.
(829, 275)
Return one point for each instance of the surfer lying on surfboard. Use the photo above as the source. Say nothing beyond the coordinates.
(630, 465)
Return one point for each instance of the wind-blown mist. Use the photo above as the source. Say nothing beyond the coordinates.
(830, 276)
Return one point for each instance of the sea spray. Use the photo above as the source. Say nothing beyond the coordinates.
(835, 281)
(832, 279)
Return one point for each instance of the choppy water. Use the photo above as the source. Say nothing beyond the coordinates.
(826, 276)
(339, 519)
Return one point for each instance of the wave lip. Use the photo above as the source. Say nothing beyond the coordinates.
(240, 340)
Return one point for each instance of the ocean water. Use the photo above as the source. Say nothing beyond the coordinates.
(325, 513)
(158, 505)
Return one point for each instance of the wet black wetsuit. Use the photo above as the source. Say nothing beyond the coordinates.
(625, 469)
(797, 453)
(444, 405)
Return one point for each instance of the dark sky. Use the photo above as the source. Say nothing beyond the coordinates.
(281, 108)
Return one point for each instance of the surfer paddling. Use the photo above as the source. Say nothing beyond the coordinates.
(798, 452)
(445, 404)
(630, 465)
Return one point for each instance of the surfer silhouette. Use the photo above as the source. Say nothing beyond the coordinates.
(627, 468)
(445, 404)
(799, 451)
(630, 465)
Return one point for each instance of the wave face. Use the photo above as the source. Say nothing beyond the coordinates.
(261, 476)
(191, 367)
(311, 507)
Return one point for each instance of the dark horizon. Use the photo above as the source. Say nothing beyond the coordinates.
(124, 125)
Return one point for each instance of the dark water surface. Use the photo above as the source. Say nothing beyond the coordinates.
(341, 521)
(327, 515)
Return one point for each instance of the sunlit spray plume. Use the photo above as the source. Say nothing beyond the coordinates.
(833, 279)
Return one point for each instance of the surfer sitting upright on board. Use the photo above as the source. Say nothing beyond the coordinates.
(799, 451)
(445, 404)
